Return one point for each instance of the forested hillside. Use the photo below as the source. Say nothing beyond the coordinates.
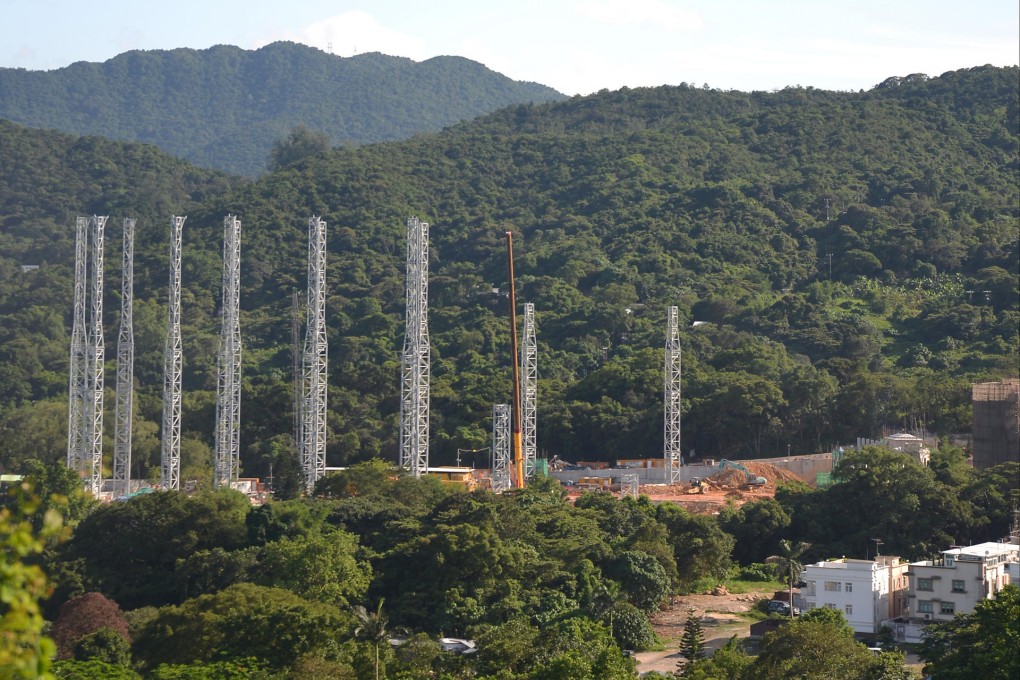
(224, 107)
(854, 257)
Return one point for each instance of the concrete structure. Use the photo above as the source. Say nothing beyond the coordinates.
(996, 423)
(908, 443)
(955, 583)
(867, 592)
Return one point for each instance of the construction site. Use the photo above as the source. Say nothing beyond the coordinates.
(704, 487)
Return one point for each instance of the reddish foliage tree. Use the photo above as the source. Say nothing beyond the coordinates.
(86, 614)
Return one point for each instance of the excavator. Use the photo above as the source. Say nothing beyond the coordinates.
(751, 478)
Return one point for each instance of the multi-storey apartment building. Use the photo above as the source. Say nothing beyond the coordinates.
(867, 592)
(954, 583)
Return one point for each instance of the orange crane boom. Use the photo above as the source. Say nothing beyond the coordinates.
(515, 402)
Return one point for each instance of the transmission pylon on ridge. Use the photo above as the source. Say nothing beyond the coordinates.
(227, 465)
(415, 361)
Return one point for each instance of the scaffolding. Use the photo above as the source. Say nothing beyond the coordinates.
(501, 460)
(173, 365)
(996, 423)
(96, 366)
(671, 398)
(123, 415)
(529, 391)
(227, 465)
(415, 362)
(78, 365)
(314, 361)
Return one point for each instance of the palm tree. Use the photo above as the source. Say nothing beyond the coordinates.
(787, 565)
(372, 628)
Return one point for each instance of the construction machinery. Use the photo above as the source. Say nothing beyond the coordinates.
(751, 478)
(697, 486)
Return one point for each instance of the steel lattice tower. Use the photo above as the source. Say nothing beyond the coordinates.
(173, 365)
(78, 367)
(671, 448)
(529, 391)
(125, 367)
(414, 384)
(227, 466)
(314, 362)
(96, 366)
(501, 462)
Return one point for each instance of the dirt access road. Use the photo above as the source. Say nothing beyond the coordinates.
(720, 620)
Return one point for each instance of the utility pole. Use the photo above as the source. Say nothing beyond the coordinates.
(415, 359)
(228, 366)
(123, 416)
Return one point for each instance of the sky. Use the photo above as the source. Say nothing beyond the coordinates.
(574, 46)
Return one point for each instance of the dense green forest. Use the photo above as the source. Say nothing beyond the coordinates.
(224, 106)
(208, 587)
(853, 256)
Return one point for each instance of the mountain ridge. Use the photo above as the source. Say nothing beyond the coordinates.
(223, 107)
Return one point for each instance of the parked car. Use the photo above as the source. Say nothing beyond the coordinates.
(780, 607)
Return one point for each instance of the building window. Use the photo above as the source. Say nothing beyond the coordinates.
(925, 607)
(833, 586)
(947, 608)
(849, 587)
(830, 605)
(959, 586)
(925, 584)
(849, 609)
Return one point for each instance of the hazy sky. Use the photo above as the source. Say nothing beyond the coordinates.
(575, 46)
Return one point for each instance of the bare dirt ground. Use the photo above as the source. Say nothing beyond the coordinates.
(720, 620)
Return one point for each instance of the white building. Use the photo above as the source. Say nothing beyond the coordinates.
(867, 592)
(953, 584)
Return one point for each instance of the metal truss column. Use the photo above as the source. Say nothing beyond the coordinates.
(96, 366)
(314, 362)
(125, 367)
(501, 463)
(630, 486)
(227, 465)
(173, 365)
(415, 359)
(671, 447)
(78, 365)
(529, 391)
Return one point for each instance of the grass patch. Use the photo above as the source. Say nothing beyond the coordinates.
(734, 585)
